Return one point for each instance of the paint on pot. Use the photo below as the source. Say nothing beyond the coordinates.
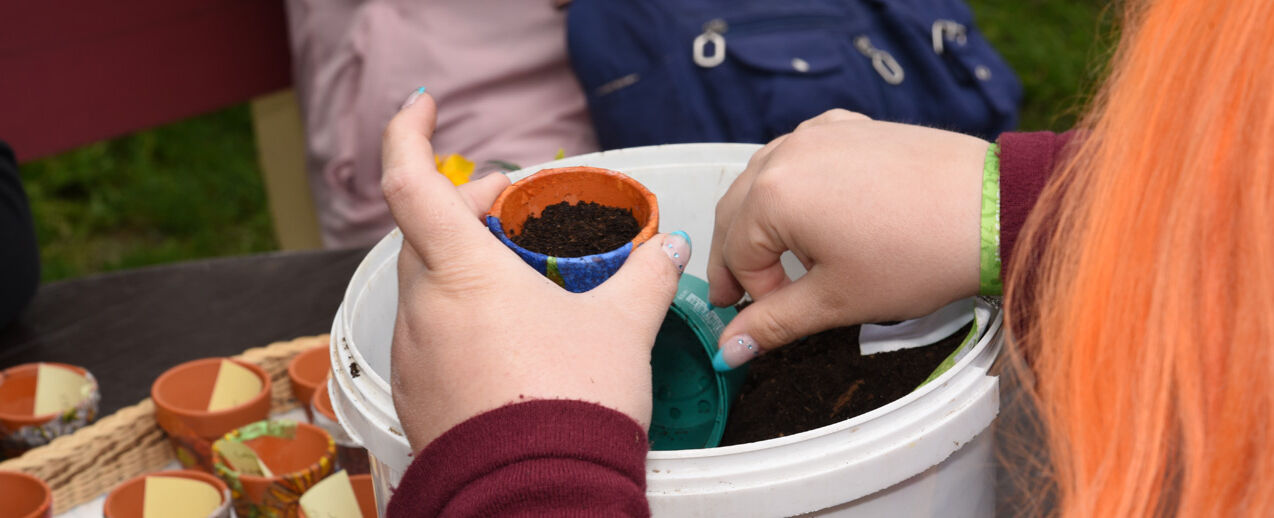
(20, 429)
(301, 453)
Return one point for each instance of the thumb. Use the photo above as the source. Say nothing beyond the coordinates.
(648, 279)
(781, 317)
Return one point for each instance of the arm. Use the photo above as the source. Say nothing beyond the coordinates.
(19, 256)
(539, 458)
(1027, 161)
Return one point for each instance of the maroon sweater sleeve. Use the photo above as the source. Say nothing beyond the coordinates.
(538, 458)
(1027, 160)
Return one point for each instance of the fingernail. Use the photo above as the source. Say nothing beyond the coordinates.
(415, 94)
(677, 246)
(736, 351)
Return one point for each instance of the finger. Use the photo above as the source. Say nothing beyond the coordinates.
(752, 250)
(480, 194)
(832, 116)
(648, 279)
(426, 206)
(786, 315)
(723, 289)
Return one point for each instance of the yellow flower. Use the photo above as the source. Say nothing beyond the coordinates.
(455, 167)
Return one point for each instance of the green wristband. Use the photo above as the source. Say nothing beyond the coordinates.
(990, 283)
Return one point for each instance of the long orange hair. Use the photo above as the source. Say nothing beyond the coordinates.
(1143, 285)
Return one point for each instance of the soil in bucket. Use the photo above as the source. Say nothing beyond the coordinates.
(586, 228)
(822, 379)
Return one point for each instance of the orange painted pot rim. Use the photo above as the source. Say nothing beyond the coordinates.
(160, 403)
(323, 405)
(45, 504)
(294, 368)
(313, 467)
(648, 230)
(202, 476)
(31, 419)
(363, 480)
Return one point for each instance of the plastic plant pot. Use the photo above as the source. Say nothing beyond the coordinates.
(305, 372)
(181, 397)
(350, 456)
(365, 492)
(299, 455)
(691, 400)
(20, 428)
(24, 496)
(127, 500)
(529, 197)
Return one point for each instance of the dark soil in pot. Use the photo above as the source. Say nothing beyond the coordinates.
(822, 379)
(586, 228)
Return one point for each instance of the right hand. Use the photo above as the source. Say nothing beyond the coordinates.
(885, 217)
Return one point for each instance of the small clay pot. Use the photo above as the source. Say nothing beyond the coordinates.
(25, 496)
(350, 456)
(365, 492)
(306, 371)
(181, 397)
(20, 428)
(127, 499)
(530, 196)
(299, 454)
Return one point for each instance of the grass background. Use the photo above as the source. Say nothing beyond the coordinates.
(192, 189)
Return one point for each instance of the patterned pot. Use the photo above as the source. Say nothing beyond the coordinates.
(299, 454)
(530, 196)
(20, 429)
(181, 400)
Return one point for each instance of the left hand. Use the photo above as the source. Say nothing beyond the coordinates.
(478, 328)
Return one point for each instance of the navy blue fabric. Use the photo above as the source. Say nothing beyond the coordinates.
(635, 61)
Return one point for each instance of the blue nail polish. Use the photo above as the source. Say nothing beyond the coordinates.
(719, 364)
(420, 90)
(684, 236)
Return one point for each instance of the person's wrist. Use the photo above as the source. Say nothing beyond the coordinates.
(990, 282)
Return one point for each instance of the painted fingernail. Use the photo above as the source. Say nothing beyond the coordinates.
(415, 94)
(677, 246)
(736, 351)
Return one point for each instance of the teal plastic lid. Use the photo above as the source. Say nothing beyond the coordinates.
(691, 399)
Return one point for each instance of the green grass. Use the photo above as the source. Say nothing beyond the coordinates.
(192, 189)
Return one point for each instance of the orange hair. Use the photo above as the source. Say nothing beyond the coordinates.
(1143, 288)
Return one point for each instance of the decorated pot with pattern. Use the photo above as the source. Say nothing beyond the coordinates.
(298, 454)
(20, 428)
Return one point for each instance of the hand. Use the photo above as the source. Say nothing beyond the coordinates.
(885, 217)
(478, 328)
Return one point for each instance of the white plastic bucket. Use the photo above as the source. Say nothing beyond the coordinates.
(926, 454)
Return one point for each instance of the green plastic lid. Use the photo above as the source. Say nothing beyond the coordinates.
(691, 400)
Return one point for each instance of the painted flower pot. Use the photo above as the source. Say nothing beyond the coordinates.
(181, 397)
(127, 500)
(365, 492)
(529, 197)
(350, 456)
(24, 496)
(299, 455)
(305, 372)
(20, 428)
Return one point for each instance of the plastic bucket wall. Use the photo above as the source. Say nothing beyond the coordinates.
(926, 454)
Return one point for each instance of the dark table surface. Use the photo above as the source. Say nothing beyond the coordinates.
(129, 327)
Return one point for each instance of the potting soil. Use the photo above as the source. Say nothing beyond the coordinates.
(586, 228)
(822, 379)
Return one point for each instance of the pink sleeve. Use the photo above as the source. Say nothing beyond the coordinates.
(539, 458)
(1027, 161)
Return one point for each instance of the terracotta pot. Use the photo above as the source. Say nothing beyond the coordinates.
(530, 196)
(181, 400)
(20, 428)
(127, 499)
(365, 492)
(298, 461)
(24, 496)
(305, 372)
(350, 456)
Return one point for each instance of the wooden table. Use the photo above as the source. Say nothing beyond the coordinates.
(128, 327)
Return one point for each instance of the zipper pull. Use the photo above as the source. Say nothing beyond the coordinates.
(882, 61)
(947, 30)
(712, 34)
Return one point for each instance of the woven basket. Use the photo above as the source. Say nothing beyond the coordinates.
(90, 462)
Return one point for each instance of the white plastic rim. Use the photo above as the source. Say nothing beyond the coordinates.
(926, 454)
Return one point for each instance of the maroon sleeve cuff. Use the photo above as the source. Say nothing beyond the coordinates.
(1027, 161)
(538, 458)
